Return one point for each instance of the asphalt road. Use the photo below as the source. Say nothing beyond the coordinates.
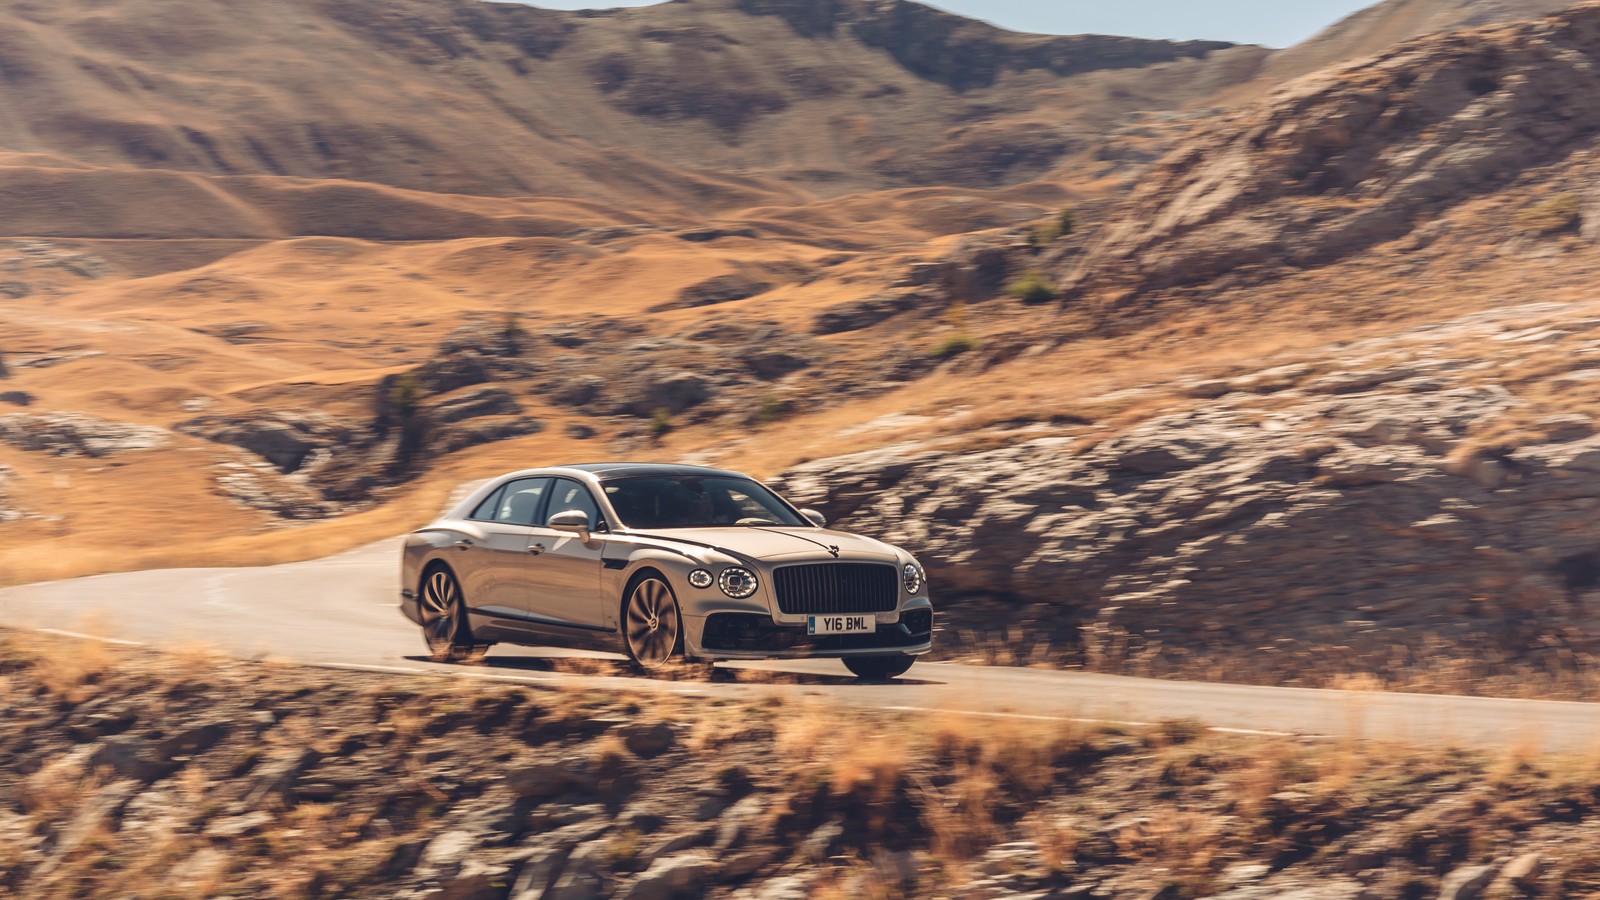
(341, 612)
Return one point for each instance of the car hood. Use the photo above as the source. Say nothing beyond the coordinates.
(783, 543)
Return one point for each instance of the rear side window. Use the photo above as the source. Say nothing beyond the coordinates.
(486, 510)
(515, 504)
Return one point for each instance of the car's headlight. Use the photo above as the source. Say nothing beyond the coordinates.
(701, 578)
(737, 582)
(912, 575)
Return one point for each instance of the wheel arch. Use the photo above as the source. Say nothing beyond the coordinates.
(429, 566)
(644, 570)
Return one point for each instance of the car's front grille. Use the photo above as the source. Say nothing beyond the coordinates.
(829, 588)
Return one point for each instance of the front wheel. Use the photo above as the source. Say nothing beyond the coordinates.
(878, 668)
(652, 628)
(445, 628)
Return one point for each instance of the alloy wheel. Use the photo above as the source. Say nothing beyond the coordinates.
(444, 625)
(652, 624)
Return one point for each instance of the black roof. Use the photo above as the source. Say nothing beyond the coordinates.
(608, 471)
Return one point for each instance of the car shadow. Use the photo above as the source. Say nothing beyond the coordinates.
(567, 664)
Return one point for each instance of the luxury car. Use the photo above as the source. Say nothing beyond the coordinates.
(661, 563)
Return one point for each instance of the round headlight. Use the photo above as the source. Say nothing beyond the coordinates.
(912, 577)
(700, 578)
(737, 582)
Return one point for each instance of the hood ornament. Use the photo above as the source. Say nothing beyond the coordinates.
(834, 550)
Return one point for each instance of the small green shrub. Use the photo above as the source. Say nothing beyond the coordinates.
(661, 424)
(1066, 221)
(1053, 229)
(955, 345)
(405, 397)
(1033, 287)
(1559, 213)
(771, 410)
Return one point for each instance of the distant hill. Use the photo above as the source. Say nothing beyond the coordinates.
(704, 104)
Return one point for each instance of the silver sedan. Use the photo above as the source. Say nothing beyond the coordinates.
(660, 562)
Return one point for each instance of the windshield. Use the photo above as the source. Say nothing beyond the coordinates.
(696, 501)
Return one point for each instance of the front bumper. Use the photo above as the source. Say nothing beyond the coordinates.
(730, 635)
(409, 607)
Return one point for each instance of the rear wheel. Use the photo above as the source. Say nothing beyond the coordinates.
(878, 668)
(652, 628)
(445, 628)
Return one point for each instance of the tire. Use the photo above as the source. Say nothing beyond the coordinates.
(652, 625)
(445, 629)
(878, 668)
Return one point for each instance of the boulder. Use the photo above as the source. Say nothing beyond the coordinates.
(676, 876)
(580, 390)
(768, 363)
(1467, 883)
(664, 390)
(648, 739)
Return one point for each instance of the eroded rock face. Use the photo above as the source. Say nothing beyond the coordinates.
(75, 434)
(1345, 159)
(9, 511)
(1347, 517)
(288, 439)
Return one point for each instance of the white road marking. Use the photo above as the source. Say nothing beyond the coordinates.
(1217, 729)
(1086, 721)
(87, 637)
(1022, 716)
(364, 667)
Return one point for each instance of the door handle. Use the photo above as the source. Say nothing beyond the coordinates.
(536, 549)
(464, 545)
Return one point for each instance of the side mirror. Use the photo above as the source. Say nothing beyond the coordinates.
(573, 521)
(817, 519)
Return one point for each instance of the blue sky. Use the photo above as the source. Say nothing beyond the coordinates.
(1273, 23)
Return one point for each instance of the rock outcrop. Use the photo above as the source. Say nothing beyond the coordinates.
(75, 434)
(1307, 515)
(290, 440)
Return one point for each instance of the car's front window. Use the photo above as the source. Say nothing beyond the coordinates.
(697, 501)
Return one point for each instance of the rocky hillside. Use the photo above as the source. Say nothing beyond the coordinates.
(1379, 27)
(144, 776)
(1352, 157)
(1417, 507)
(701, 105)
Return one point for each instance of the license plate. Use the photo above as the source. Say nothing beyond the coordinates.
(841, 624)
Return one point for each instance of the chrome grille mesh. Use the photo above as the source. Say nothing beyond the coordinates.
(829, 588)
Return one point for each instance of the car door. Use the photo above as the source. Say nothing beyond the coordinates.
(566, 573)
(495, 569)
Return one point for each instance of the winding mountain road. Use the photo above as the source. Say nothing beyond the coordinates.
(341, 612)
